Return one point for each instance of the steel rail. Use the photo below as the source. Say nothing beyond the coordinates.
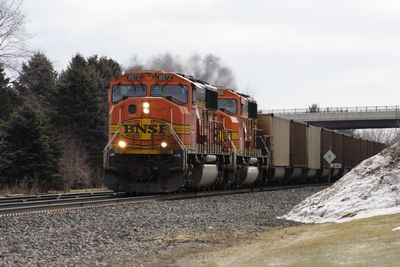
(51, 201)
(83, 203)
(28, 198)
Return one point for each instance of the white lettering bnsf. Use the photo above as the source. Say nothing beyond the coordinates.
(144, 128)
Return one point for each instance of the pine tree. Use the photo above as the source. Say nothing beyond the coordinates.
(107, 69)
(37, 82)
(79, 107)
(29, 150)
(8, 97)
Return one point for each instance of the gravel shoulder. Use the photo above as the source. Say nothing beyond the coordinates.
(140, 234)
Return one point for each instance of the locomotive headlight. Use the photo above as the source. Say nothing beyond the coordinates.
(146, 107)
(122, 144)
(164, 144)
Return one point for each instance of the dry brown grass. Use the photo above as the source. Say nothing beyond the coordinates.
(22, 187)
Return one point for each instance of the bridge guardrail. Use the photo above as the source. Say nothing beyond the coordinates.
(333, 110)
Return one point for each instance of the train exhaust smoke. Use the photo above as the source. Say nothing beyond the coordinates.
(208, 68)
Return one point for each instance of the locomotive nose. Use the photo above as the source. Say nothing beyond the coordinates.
(143, 126)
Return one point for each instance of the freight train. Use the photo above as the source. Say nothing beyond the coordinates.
(170, 132)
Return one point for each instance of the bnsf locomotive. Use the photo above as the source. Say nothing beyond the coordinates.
(168, 132)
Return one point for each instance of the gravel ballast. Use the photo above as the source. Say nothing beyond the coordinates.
(126, 233)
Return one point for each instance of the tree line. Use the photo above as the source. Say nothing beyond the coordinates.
(53, 126)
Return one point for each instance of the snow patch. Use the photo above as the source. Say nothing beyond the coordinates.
(371, 188)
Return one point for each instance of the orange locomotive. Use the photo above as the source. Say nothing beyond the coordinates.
(168, 132)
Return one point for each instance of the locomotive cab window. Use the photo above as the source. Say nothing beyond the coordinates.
(174, 92)
(229, 106)
(244, 107)
(194, 96)
(123, 91)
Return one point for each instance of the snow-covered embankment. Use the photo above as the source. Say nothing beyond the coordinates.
(371, 188)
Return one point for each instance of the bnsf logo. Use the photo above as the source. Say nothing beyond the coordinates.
(144, 128)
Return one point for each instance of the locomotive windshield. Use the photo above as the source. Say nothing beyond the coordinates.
(121, 91)
(175, 92)
(228, 106)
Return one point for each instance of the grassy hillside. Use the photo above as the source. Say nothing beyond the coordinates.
(367, 242)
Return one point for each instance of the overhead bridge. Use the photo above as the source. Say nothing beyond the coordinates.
(344, 117)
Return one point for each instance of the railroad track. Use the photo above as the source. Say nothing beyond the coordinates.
(32, 198)
(10, 206)
(21, 204)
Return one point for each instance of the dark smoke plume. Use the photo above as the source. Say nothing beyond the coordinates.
(208, 68)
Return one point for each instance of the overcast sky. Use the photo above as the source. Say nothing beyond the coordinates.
(286, 53)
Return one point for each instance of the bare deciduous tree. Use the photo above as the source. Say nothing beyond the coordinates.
(387, 136)
(75, 168)
(314, 108)
(12, 33)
